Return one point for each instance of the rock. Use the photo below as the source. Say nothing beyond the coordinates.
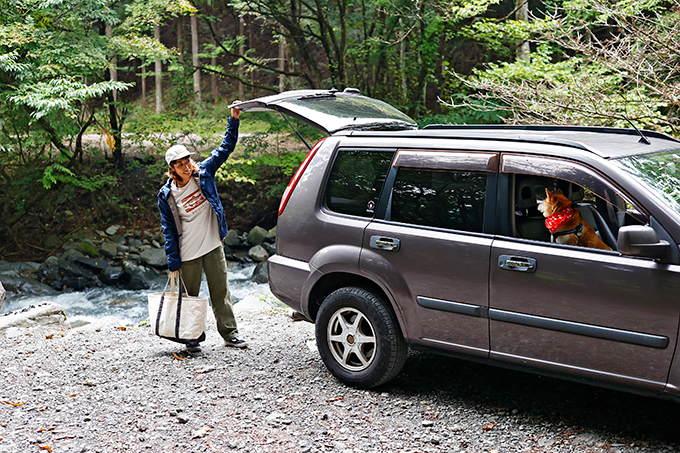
(36, 318)
(112, 275)
(258, 253)
(271, 235)
(261, 274)
(21, 286)
(105, 323)
(113, 229)
(270, 248)
(155, 258)
(70, 255)
(140, 277)
(257, 235)
(232, 239)
(108, 248)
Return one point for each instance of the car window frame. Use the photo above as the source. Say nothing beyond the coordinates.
(568, 170)
(485, 161)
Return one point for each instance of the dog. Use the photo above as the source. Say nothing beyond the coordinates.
(566, 224)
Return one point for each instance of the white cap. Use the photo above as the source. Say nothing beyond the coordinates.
(176, 152)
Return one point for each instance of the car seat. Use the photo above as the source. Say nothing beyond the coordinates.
(590, 214)
(529, 222)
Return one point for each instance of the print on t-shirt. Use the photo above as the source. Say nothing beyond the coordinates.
(193, 204)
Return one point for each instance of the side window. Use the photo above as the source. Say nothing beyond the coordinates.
(356, 181)
(595, 221)
(436, 198)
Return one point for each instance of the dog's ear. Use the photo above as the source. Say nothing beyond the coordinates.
(559, 191)
(548, 194)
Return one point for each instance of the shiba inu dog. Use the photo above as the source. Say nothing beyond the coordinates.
(566, 224)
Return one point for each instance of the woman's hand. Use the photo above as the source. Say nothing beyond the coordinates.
(235, 113)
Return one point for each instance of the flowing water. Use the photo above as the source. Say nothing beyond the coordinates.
(130, 307)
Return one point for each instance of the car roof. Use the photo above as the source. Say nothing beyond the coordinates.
(603, 141)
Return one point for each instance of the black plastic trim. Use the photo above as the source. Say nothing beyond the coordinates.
(587, 330)
(453, 307)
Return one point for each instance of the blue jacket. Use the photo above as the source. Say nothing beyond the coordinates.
(170, 221)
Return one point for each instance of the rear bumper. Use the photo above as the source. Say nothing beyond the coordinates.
(287, 278)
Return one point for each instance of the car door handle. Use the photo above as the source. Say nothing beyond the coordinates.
(517, 263)
(383, 243)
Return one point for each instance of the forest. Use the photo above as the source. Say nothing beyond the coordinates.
(92, 92)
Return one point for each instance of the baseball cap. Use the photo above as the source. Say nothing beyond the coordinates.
(176, 152)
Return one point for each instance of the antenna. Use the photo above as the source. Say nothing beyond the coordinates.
(643, 139)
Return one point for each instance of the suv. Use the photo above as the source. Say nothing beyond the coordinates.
(391, 237)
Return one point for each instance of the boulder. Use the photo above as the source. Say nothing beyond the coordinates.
(140, 277)
(21, 286)
(108, 248)
(154, 258)
(111, 275)
(232, 239)
(258, 253)
(41, 318)
(257, 235)
(270, 248)
(261, 273)
(271, 235)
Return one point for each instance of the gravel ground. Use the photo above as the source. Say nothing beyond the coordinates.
(126, 391)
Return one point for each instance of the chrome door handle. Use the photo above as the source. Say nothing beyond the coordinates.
(384, 243)
(517, 263)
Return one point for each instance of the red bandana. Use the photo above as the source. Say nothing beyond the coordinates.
(558, 219)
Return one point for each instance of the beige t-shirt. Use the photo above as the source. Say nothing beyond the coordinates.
(200, 231)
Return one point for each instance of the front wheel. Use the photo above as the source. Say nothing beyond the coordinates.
(359, 338)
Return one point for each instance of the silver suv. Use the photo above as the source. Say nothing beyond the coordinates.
(391, 237)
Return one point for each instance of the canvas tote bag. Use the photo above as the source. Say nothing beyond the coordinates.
(177, 316)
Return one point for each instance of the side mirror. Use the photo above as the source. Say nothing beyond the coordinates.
(640, 240)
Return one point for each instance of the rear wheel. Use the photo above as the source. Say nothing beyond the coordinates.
(359, 338)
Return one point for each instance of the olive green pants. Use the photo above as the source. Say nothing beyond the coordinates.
(215, 267)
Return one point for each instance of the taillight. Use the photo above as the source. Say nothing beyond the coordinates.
(298, 174)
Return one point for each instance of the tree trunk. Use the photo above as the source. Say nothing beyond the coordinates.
(144, 103)
(282, 62)
(402, 63)
(241, 51)
(194, 58)
(113, 69)
(159, 74)
(180, 39)
(522, 14)
(214, 80)
(117, 151)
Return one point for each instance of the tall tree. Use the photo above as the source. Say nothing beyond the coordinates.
(195, 58)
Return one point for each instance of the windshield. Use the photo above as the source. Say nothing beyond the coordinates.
(658, 171)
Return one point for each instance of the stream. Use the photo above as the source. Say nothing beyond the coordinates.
(129, 306)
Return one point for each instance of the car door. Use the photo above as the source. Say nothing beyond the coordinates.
(583, 311)
(429, 245)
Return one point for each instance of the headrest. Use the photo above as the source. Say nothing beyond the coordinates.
(525, 197)
(575, 192)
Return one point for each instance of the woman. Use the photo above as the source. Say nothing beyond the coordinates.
(194, 225)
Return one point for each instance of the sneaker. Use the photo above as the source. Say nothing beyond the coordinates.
(235, 343)
(193, 347)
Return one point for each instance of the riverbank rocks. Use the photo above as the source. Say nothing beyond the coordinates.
(128, 259)
(42, 318)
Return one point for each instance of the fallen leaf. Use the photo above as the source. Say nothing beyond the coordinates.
(49, 337)
(178, 357)
(72, 396)
(45, 429)
(339, 398)
(68, 437)
(123, 328)
(42, 408)
(201, 432)
(14, 403)
(45, 447)
(489, 426)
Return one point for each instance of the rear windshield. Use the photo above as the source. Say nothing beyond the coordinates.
(658, 171)
(356, 181)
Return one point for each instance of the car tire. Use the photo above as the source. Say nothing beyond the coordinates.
(359, 338)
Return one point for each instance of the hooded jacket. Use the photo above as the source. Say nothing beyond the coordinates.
(205, 178)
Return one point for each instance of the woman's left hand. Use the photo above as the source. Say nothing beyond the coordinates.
(235, 113)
